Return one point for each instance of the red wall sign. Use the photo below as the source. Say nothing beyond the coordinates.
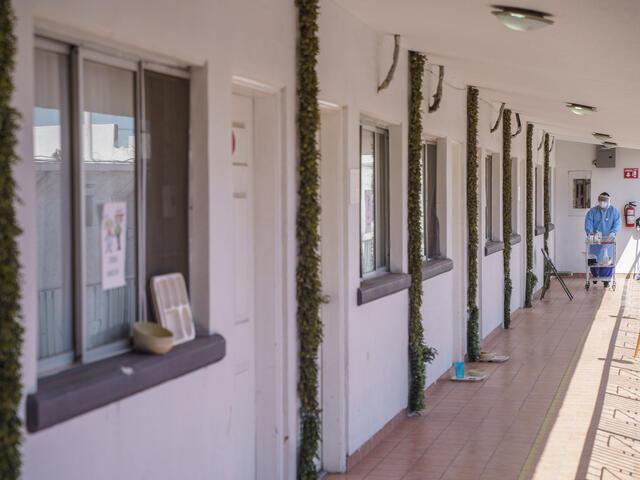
(630, 173)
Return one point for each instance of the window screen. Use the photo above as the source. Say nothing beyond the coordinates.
(167, 116)
(432, 226)
(488, 189)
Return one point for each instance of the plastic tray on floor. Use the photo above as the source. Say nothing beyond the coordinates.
(171, 306)
(490, 357)
(468, 378)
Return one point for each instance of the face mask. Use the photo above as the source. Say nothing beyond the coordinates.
(604, 205)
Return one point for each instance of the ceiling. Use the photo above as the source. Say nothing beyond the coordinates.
(590, 55)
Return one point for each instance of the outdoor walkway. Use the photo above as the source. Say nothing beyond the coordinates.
(566, 405)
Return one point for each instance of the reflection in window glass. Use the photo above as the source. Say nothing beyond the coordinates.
(514, 196)
(488, 212)
(374, 203)
(432, 233)
(367, 201)
(109, 176)
(53, 190)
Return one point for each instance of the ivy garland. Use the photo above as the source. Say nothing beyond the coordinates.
(547, 203)
(506, 213)
(308, 285)
(531, 277)
(473, 347)
(10, 328)
(419, 353)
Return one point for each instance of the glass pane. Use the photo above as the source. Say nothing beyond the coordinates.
(367, 201)
(53, 190)
(166, 211)
(433, 227)
(423, 201)
(109, 165)
(381, 200)
(537, 197)
(514, 196)
(488, 192)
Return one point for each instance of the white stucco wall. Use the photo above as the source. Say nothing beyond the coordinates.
(573, 156)
(256, 40)
(181, 428)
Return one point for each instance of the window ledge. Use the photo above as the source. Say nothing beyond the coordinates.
(378, 287)
(85, 388)
(515, 239)
(435, 267)
(492, 247)
(540, 229)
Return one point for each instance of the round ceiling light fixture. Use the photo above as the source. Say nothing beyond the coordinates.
(521, 19)
(581, 109)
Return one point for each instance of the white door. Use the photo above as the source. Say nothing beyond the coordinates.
(332, 360)
(242, 352)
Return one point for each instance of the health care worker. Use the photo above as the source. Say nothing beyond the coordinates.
(605, 219)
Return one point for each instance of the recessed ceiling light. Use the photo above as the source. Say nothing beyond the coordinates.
(521, 19)
(581, 109)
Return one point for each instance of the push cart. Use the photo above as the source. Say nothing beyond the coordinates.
(600, 251)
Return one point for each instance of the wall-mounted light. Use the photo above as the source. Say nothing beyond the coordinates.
(521, 19)
(601, 136)
(581, 109)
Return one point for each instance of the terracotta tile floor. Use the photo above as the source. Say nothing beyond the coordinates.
(533, 417)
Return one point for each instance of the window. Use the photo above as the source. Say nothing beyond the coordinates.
(89, 198)
(429, 223)
(580, 188)
(514, 195)
(538, 193)
(488, 190)
(374, 200)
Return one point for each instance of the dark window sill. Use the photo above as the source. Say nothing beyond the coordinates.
(515, 239)
(435, 267)
(540, 229)
(492, 247)
(378, 287)
(87, 387)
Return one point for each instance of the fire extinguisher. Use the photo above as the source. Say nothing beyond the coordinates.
(630, 214)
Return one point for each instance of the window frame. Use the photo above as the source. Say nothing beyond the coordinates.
(381, 189)
(515, 195)
(488, 197)
(425, 199)
(573, 177)
(538, 186)
(72, 134)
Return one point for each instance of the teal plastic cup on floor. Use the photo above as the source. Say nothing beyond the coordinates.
(459, 369)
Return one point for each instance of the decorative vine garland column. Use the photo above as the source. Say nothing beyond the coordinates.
(531, 278)
(308, 286)
(472, 223)
(506, 213)
(547, 201)
(419, 353)
(10, 329)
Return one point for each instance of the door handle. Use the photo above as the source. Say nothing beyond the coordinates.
(325, 299)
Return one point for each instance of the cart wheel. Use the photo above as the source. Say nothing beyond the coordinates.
(613, 287)
(586, 286)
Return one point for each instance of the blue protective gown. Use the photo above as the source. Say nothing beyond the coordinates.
(605, 221)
